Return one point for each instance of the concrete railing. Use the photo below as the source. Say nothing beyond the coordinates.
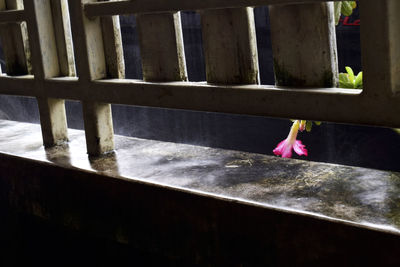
(37, 40)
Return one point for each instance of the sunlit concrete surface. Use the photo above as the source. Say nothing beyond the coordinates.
(359, 195)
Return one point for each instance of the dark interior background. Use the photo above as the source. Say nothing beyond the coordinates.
(345, 144)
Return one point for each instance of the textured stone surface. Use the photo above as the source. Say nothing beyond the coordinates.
(302, 59)
(366, 196)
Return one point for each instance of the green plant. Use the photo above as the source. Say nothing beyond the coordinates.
(349, 80)
(344, 8)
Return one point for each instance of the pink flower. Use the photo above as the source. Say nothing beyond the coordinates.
(285, 147)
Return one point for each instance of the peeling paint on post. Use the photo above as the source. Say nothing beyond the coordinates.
(230, 47)
(304, 45)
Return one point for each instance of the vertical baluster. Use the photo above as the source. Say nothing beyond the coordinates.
(230, 47)
(304, 45)
(63, 35)
(91, 65)
(14, 41)
(161, 47)
(44, 65)
(114, 52)
(380, 43)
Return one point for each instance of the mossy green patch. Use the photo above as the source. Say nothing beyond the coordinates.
(285, 78)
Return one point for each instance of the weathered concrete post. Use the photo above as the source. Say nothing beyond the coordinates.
(112, 41)
(62, 31)
(161, 47)
(304, 45)
(230, 47)
(91, 63)
(45, 64)
(380, 43)
(14, 41)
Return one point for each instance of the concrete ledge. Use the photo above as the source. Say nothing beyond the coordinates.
(190, 226)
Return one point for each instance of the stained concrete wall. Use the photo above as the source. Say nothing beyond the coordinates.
(45, 206)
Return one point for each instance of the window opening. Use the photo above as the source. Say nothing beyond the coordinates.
(193, 42)
(348, 41)
(133, 62)
(265, 59)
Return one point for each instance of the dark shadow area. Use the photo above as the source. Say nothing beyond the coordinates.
(18, 108)
(133, 62)
(29, 241)
(2, 62)
(263, 32)
(348, 42)
(193, 42)
(74, 114)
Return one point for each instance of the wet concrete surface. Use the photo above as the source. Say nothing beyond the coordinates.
(366, 196)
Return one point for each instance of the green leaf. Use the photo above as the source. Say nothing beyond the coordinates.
(308, 126)
(317, 123)
(344, 81)
(344, 77)
(346, 85)
(351, 73)
(358, 83)
(347, 8)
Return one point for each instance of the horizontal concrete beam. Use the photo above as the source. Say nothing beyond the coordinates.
(331, 104)
(8, 16)
(156, 6)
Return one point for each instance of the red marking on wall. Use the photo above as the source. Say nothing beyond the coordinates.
(347, 22)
